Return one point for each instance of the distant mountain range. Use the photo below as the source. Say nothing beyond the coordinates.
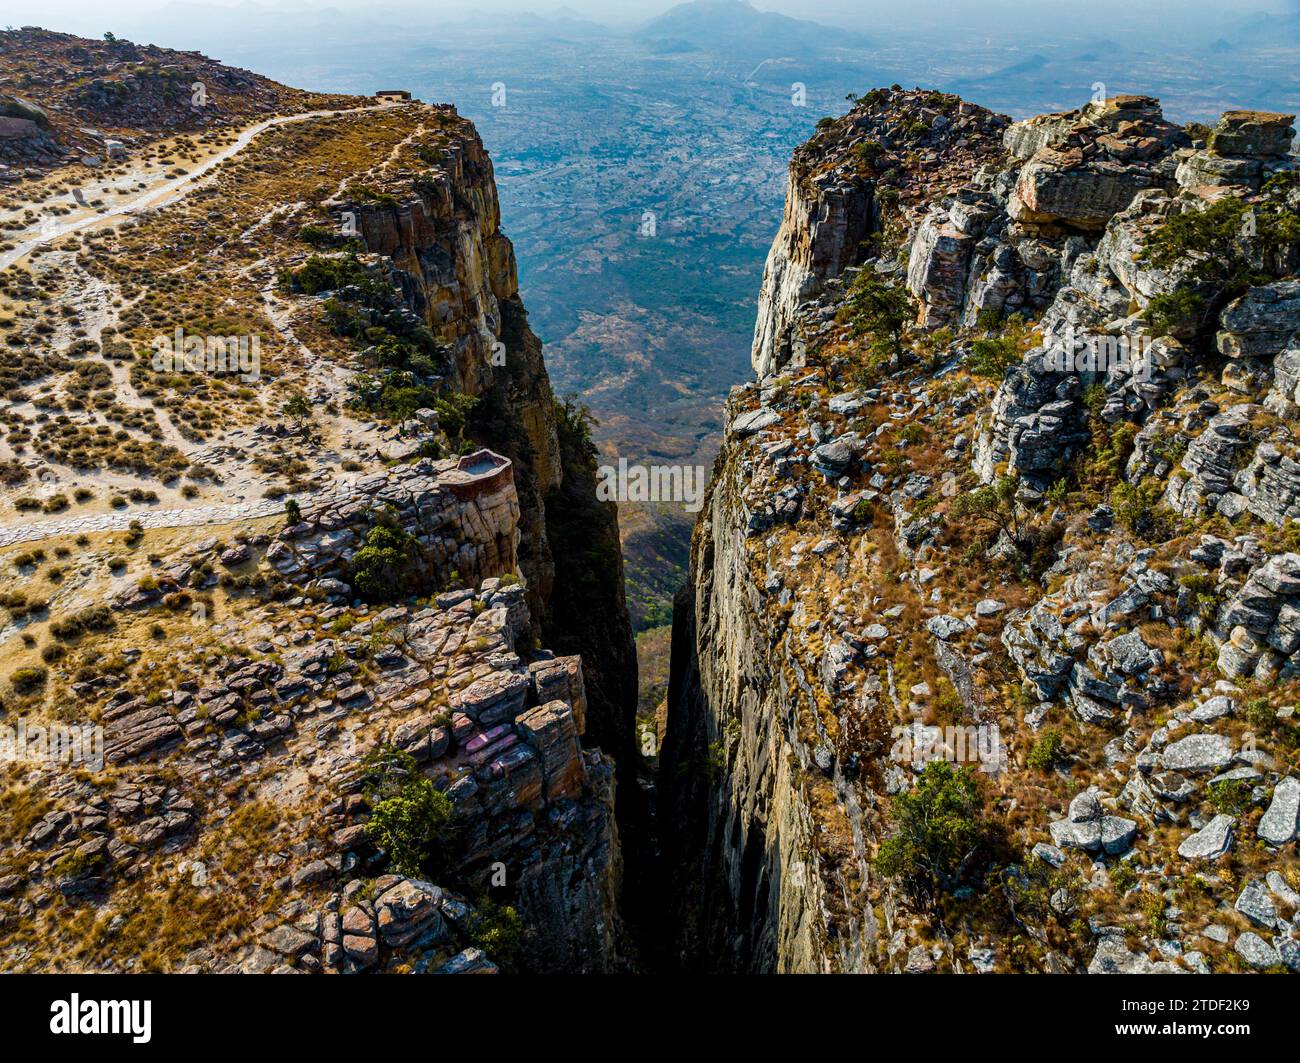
(736, 27)
(1267, 29)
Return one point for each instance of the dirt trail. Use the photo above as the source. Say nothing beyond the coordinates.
(331, 380)
(168, 191)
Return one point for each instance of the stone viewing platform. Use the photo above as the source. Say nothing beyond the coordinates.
(480, 473)
(462, 512)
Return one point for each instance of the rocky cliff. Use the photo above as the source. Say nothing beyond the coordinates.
(985, 661)
(843, 187)
(347, 679)
(439, 240)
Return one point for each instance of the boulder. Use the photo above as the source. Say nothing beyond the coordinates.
(1198, 753)
(1114, 957)
(755, 421)
(1213, 709)
(946, 627)
(409, 910)
(1210, 842)
(1278, 825)
(1256, 951)
(1257, 133)
(1256, 905)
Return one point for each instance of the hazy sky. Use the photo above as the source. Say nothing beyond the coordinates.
(1112, 18)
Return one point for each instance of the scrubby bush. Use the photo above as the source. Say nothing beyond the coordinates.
(1047, 751)
(498, 931)
(996, 505)
(1225, 248)
(938, 830)
(1229, 796)
(1135, 507)
(409, 816)
(27, 680)
(382, 568)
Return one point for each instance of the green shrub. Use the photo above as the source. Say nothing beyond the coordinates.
(1229, 246)
(327, 273)
(1229, 796)
(297, 408)
(991, 357)
(1135, 508)
(318, 235)
(995, 505)
(409, 816)
(1178, 311)
(453, 410)
(27, 680)
(1122, 877)
(575, 421)
(1111, 446)
(498, 931)
(1259, 714)
(1048, 751)
(394, 394)
(937, 830)
(383, 567)
(1153, 907)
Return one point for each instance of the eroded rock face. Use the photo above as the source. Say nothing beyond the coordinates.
(940, 267)
(251, 735)
(497, 734)
(1245, 148)
(834, 203)
(1083, 167)
(818, 583)
(823, 223)
(1058, 186)
(1259, 626)
(1034, 424)
(463, 522)
(443, 247)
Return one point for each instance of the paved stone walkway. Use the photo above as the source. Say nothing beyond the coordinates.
(190, 517)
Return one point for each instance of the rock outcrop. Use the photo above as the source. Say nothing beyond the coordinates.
(843, 187)
(371, 720)
(1076, 582)
(438, 239)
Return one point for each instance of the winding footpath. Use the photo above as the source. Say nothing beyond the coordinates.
(187, 517)
(184, 517)
(164, 193)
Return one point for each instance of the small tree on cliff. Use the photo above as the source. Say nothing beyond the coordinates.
(383, 569)
(409, 816)
(1226, 247)
(297, 408)
(995, 505)
(880, 311)
(937, 830)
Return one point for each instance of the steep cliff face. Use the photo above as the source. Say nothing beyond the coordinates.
(751, 884)
(770, 858)
(457, 271)
(357, 731)
(441, 232)
(943, 577)
(826, 218)
(844, 184)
